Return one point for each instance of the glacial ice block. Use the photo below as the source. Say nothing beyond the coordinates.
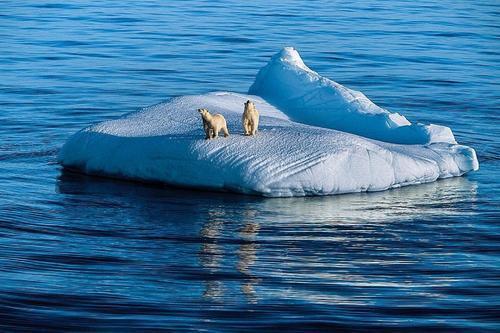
(308, 98)
(165, 143)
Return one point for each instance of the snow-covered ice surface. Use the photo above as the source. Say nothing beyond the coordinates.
(304, 145)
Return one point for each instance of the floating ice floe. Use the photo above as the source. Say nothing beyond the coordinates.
(316, 137)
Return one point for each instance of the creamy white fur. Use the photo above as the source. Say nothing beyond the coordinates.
(250, 119)
(213, 124)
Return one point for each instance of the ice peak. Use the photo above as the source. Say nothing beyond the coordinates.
(290, 56)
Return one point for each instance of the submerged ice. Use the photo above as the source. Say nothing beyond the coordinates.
(315, 137)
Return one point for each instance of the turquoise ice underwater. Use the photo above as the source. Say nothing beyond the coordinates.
(164, 143)
(85, 253)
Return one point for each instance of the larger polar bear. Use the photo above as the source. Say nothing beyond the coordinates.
(250, 118)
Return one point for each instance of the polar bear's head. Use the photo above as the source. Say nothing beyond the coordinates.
(249, 105)
(203, 112)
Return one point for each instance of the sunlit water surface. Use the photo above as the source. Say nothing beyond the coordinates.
(80, 253)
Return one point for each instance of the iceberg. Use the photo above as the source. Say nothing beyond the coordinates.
(315, 137)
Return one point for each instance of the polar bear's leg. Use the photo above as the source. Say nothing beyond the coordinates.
(208, 133)
(255, 125)
(205, 128)
(243, 122)
(225, 131)
(246, 126)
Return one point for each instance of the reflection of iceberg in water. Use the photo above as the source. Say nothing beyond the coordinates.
(238, 240)
(375, 241)
(445, 197)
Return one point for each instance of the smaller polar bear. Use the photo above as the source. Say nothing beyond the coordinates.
(212, 124)
(250, 119)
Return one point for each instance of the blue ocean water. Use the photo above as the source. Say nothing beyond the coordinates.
(80, 253)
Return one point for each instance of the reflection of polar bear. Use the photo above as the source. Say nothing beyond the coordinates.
(250, 119)
(212, 124)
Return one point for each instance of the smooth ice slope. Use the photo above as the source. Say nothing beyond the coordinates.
(165, 143)
(309, 98)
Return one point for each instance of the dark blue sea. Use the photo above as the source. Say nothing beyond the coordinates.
(81, 253)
